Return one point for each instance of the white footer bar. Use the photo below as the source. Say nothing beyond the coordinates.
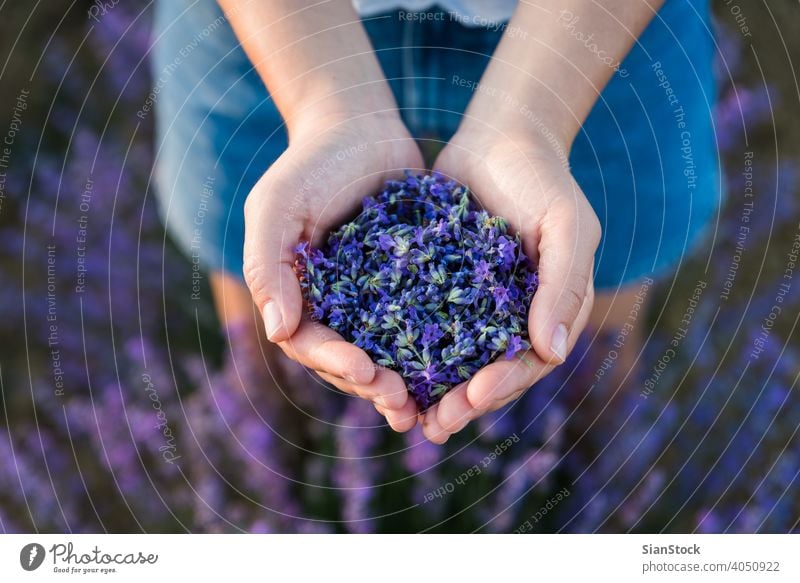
(381, 558)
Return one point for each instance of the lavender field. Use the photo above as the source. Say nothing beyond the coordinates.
(123, 411)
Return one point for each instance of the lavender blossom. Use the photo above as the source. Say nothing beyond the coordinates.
(426, 283)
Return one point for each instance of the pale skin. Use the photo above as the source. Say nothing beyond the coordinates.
(318, 65)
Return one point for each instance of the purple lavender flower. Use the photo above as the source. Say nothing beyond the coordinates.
(514, 346)
(425, 282)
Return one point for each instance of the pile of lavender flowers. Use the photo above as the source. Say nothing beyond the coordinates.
(425, 282)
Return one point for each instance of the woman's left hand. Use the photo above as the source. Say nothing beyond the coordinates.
(526, 180)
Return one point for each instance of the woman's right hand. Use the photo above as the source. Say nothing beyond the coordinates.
(317, 184)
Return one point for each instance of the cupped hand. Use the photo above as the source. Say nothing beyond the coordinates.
(316, 185)
(524, 179)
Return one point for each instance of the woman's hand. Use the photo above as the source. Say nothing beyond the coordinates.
(316, 185)
(345, 139)
(527, 181)
(517, 167)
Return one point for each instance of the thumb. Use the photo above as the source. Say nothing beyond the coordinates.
(270, 237)
(568, 240)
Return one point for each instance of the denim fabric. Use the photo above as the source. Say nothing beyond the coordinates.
(646, 157)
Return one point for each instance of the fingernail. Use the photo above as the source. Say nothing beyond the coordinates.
(272, 319)
(558, 343)
(350, 379)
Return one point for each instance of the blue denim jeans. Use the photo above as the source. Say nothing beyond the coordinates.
(646, 157)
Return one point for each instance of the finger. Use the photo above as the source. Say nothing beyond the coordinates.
(513, 397)
(320, 348)
(433, 432)
(401, 420)
(390, 392)
(505, 380)
(569, 237)
(386, 390)
(454, 411)
(269, 241)
(341, 384)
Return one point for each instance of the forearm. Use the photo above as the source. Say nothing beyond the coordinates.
(555, 59)
(315, 57)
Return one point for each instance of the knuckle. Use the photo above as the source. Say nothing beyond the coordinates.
(580, 215)
(340, 384)
(571, 300)
(316, 354)
(450, 422)
(256, 278)
(563, 210)
(590, 292)
(248, 205)
(579, 281)
(289, 351)
(251, 203)
(518, 394)
(594, 229)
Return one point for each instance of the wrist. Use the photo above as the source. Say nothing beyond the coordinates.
(322, 110)
(371, 125)
(524, 128)
(518, 106)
